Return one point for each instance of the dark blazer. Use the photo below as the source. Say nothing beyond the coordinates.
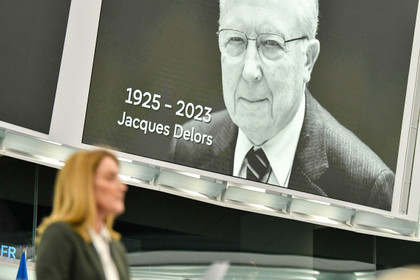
(329, 161)
(63, 254)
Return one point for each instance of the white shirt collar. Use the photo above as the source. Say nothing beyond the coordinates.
(103, 233)
(280, 150)
(101, 242)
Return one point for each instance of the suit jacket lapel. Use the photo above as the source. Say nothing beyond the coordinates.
(311, 157)
(117, 255)
(95, 261)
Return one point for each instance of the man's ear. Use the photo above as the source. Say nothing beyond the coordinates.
(312, 53)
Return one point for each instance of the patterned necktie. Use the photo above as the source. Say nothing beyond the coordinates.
(257, 165)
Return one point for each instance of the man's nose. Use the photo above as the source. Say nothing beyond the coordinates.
(252, 63)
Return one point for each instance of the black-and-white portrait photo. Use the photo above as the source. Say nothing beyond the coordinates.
(274, 131)
(306, 95)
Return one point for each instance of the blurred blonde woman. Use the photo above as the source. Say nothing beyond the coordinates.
(402, 273)
(77, 240)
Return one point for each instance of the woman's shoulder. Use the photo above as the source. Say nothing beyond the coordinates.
(59, 230)
(57, 236)
(58, 226)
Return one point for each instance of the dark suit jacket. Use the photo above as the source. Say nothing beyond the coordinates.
(329, 161)
(63, 254)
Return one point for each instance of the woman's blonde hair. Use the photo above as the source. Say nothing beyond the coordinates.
(74, 201)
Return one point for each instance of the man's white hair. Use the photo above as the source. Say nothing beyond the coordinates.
(308, 15)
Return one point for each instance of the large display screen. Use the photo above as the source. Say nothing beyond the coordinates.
(32, 37)
(178, 81)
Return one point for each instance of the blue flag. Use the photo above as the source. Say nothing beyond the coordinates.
(22, 272)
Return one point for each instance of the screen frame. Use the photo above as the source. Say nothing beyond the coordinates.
(73, 89)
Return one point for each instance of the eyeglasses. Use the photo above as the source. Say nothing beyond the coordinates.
(233, 43)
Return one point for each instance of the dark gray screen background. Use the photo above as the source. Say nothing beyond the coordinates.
(169, 47)
(32, 36)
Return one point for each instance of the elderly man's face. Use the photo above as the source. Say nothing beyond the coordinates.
(263, 95)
